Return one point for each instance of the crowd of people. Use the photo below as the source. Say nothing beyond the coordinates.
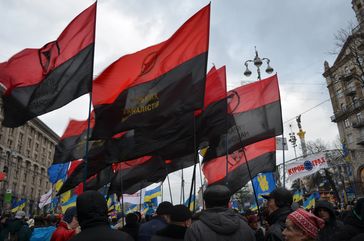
(281, 220)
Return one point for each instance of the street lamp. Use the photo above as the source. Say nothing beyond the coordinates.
(258, 62)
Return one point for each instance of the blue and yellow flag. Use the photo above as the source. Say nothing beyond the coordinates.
(18, 205)
(132, 208)
(70, 203)
(150, 194)
(57, 172)
(264, 184)
(192, 203)
(309, 202)
(298, 196)
(253, 207)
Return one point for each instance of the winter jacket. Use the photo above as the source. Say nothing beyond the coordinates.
(277, 222)
(92, 217)
(19, 228)
(42, 233)
(353, 226)
(218, 224)
(132, 230)
(148, 229)
(62, 233)
(331, 226)
(170, 233)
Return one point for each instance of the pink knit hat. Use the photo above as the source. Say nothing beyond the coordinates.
(307, 222)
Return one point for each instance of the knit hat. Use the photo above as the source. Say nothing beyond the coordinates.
(69, 214)
(164, 208)
(180, 213)
(307, 222)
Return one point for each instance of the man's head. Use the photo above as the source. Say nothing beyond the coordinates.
(20, 215)
(164, 210)
(279, 198)
(91, 209)
(217, 196)
(70, 217)
(181, 216)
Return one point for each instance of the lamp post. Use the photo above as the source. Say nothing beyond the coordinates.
(258, 62)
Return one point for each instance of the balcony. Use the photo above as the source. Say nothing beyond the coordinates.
(347, 111)
(358, 124)
(360, 140)
(347, 77)
(350, 91)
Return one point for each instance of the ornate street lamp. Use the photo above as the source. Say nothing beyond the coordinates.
(258, 62)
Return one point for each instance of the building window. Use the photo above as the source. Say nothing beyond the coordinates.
(350, 138)
(347, 123)
(33, 179)
(14, 187)
(358, 116)
(29, 142)
(16, 173)
(10, 143)
(25, 175)
(31, 192)
(23, 190)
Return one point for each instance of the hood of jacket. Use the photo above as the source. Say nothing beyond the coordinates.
(221, 220)
(91, 209)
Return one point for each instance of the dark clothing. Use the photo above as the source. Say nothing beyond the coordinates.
(148, 229)
(20, 229)
(62, 233)
(216, 224)
(92, 217)
(277, 222)
(352, 227)
(132, 230)
(170, 233)
(332, 225)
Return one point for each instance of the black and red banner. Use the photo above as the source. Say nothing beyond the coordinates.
(256, 115)
(154, 84)
(37, 81)
(232, 170)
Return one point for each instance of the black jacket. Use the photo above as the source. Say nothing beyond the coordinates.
(132, 230)
(331, 226)
(352, 227)
(170, 233)
(219, 224)
(277, 222)
(92, 217)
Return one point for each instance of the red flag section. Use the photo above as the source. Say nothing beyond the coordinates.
(161, 81)
(37, 81)
(260, 156)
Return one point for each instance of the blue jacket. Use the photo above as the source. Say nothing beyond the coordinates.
(148, 229)
(42, 234)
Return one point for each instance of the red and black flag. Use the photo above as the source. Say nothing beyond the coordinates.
(257, 115)
(261, 157)
(37, 81)
(156, 83)
(72, 144)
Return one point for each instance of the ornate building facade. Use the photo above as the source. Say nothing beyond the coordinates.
(26, 152)
(345, 82)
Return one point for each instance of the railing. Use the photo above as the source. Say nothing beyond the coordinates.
(343, 113)
(358, 123)
(350, 91)
(360, 140)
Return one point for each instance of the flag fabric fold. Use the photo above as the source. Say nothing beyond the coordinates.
(37, 81)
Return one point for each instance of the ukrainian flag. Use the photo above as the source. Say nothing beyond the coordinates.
(254, 207)
(192, 203)
(309, 202)
(298, 196)
(70, 203)
(18, 205)
(150, 194)
(132, 208)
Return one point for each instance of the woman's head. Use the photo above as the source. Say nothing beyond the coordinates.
(302, 225)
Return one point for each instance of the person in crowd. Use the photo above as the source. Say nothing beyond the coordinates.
(325, 210)
(218, 222)
(4, 223)
(67, 227)
(92, 217)
(140, 218)
(180, 220)
(278, 208)
(18, 228)
(131, 225)
(353, 224)
(253, 222)
(302, 226)
(158, 222)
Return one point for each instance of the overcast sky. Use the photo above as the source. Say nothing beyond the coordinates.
(296, 36)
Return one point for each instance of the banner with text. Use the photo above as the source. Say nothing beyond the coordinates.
(306, 166)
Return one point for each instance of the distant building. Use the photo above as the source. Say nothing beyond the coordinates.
(345, 81)
(26, 153)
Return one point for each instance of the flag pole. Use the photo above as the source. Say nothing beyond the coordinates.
(195, 161)
(169, 186)
(203, 203)
(284, 161)
(89, 107)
